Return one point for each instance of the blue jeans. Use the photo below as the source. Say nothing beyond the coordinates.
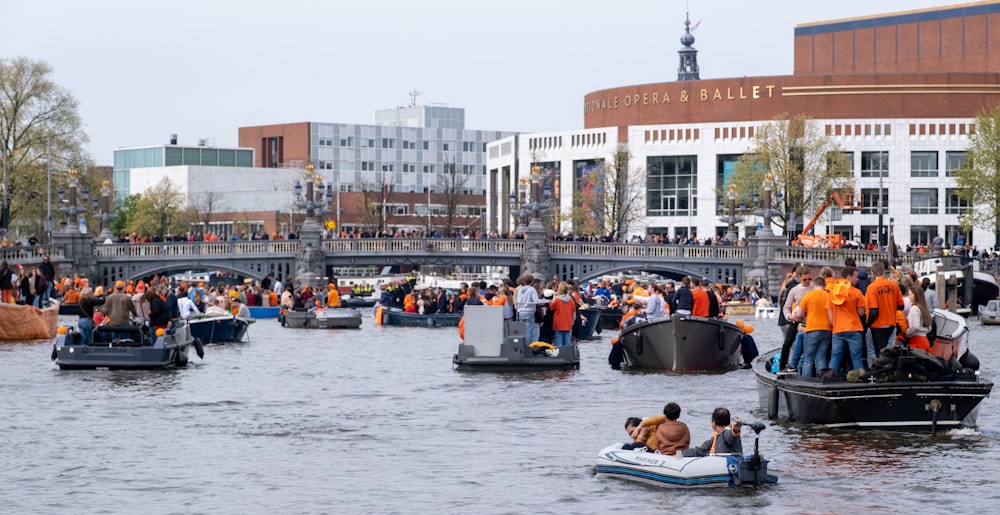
(814, 352)
(562, 338)
(86, 326)
(531, 331)
(854, 340)
(797, 350)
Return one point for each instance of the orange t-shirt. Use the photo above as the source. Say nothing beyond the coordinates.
(886, 296)
(699, 302)
(814, 305)
(846, 317)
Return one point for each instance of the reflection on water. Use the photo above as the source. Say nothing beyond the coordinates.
(301, 421)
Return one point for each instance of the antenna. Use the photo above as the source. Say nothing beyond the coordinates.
(413, 97)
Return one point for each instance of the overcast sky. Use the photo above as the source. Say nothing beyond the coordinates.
(143, 70)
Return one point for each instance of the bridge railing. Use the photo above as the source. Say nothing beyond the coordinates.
(610, 250)
(31, 253)
(198, 248)
(402, 246)
(863, 258)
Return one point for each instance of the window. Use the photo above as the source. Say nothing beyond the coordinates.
(870, 201)
(924, 201)
(670, 187)
(955, 236)
(954, 204)
(923, 164)
(954, 161)
(427, 145)
(846, 160)
(875, 164)
(428, 168)
(387, 168)
(400, 209)
(922, 234)
(346, 142)
(444, 146)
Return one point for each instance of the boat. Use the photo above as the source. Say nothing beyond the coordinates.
(493, 344)
(718, 470)
(358, 301)
(984, 286)
(395, 316)
(225, 328)
(326, 318)
(589, 325)
(69, 309)
(264, 311)
(914, 391)
(990, 313)
(682, 343)
(611, 318)
(22, 323)
(739, 308)
(125, 347)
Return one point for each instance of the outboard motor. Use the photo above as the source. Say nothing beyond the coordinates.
(754, 469)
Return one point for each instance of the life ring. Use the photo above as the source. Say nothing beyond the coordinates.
(542, 345)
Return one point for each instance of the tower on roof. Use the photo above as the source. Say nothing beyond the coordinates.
(688, 68)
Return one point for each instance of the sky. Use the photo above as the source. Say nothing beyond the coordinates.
(144, 70)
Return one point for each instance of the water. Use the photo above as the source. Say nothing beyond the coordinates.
(376, 420)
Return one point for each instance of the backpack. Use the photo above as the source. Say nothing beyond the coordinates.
(932, 334)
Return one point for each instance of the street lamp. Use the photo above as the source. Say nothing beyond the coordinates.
(71, 209)
(767, 212)
(105, 215)
(731, 220)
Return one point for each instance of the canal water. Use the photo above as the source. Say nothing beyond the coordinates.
(377, 421)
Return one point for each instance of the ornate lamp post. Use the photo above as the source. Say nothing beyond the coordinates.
(309, 261)
(71, 209)
(731, 219)
(105, 215)
(767, 212)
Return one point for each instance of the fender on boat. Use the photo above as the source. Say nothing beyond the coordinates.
(180, 359)
(772, 403)
(199, 348)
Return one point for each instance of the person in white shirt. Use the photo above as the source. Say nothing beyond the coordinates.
(655, 305)
(185, 306)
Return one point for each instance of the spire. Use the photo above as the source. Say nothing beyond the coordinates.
(688, 68)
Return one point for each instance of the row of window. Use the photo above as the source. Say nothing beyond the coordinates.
(436, 210)
(467, 146)
(923, 163)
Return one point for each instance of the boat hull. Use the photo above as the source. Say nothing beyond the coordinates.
(681, 343)
(220, 329)
(124, 348)
(264, 311)
(404, 319)
(587, 327)
(517, 356)
(22, 323)
(672, 472)
(358, 302)
(330, 318)
(990, 313)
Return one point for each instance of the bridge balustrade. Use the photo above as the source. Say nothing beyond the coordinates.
(31, 253)
(642, 251)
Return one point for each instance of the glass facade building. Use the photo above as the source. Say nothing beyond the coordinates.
(171, 155)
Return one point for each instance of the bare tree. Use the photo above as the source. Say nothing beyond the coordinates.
(452, 187)
(608, 198)
(204, 205)
(375, 201)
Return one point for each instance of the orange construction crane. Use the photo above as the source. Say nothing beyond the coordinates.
(845, 200)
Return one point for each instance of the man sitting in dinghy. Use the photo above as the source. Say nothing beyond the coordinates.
(725, 440)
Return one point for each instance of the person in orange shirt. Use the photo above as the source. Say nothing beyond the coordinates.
(846, 310)
(699, 299)
(818, 335)
(409, 303)
(563, 315)
(883, 298)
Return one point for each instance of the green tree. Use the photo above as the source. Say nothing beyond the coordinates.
(979, 179)
(40, 126)
(608, 199)
(805, 164)
(160, 211)
(126, 213)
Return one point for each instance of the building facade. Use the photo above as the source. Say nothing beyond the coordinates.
(897, 93)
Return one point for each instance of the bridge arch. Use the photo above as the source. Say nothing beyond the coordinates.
(108, 273)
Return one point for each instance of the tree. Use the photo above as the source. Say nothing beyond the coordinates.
(39, 124)
(805, 164)
(608, 197)
(159, 211)
(204, 205)
(375, 201)
(979, 180)
(126, 212)
(452, 186)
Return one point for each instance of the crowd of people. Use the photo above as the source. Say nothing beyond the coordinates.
(836, 321)
(33, 286)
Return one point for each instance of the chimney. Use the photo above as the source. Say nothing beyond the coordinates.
(173, 139)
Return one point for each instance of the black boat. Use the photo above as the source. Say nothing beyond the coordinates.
(493, 344)
(588, 325)
(328, 318)
(906, 396)
(358, 302)
(682, 342)
(225, 328)
(125, 347)
(396, 316)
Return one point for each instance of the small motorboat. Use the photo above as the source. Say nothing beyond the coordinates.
(395, 316)
(696, 472)
(22, 323)
(913, 390)
(682, 343)
(125, 347)
(356, 301)
(493, 344)
(326, 318)
(990, 313)
(225, 328)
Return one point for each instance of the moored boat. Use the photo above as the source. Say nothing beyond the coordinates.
(982, 289)
(493, 344)
(682, 342)
(125, 347)
(327, 318)
(588, 325)
(358, 301)
(397, 317)
(914, 390)
(225, 328)
(23, 323)
(719, 470)
(990, 313)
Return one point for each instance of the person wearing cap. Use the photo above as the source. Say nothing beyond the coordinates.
(333, 296)
(119, 307)
(846, 310)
